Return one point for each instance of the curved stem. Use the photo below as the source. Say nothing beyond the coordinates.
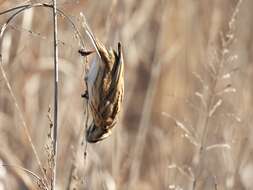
(28, 6)
(26, 130)
(27, 171)
(19, 10)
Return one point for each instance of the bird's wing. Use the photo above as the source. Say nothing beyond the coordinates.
(117, 73)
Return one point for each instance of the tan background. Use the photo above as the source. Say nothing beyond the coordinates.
(187, 116)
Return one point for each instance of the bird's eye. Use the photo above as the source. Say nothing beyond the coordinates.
(93, 128)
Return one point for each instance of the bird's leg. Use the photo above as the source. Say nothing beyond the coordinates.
(84, 53)
(85, 95)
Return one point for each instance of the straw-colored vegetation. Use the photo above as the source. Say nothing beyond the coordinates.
(186, 119)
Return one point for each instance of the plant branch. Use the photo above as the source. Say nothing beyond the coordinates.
(56, 79)
(22, 8)
(26, 130)
(27, 171)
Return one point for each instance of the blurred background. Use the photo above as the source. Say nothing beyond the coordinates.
(187, 113)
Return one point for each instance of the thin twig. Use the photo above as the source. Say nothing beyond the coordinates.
(26, 130)
(18, 10)
(13, 9)
(56, 79)
(211, 104)
(28, 6)
(27, 171)
(37, 35)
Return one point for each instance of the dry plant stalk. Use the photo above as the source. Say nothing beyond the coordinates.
(105, 89)
(56, 81)
(44, 184)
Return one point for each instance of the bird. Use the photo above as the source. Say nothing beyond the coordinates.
(105, 89)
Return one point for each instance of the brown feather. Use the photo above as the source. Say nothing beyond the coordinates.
(105, 90)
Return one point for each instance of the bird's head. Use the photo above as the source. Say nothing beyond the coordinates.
(97, 133)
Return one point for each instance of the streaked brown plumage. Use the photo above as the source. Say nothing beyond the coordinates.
(105, 90)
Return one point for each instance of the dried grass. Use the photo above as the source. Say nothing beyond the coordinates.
(186, 122)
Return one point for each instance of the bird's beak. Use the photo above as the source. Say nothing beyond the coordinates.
(95, 133)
